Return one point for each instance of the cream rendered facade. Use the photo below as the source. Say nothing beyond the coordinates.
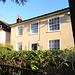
(65, 34)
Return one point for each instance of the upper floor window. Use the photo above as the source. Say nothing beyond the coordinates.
(34, 28)
(20, 30)
(54, 24)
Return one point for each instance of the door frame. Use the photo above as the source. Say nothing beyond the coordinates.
(30, 47)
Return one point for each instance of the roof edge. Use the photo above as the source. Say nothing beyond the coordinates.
(42, 15)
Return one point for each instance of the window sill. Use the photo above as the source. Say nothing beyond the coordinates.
(19, 35)
(34, 33)
(53, 31)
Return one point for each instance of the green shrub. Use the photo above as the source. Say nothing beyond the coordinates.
(55, 60)
(9, 46)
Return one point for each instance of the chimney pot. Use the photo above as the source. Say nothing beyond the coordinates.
(18, 16)
(19, 19)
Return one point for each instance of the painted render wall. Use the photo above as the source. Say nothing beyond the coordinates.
(65, 34)
(4, 36)
(8, 37)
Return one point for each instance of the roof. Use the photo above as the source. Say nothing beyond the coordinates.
(5, 26)
(43, 15)
(4, 22)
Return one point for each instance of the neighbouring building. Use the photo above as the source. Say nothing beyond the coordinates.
(46, 32)
(4, 32)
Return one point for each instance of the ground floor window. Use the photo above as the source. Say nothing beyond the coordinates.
(54, 44)
(19, 46)
(33, 46)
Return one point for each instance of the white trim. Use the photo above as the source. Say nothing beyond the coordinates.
(16, 47)
(34, 23)
(59, 23)
(54, 39)
(30, 44)
(17, 30)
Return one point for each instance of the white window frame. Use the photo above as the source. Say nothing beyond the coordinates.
(17, 30)
(52, 40)
(34, 23)
(30, 48)
(59, 23)
(17, 48)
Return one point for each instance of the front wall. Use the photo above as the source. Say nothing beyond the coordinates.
(4, 36)
(65, 34)
(8, 35)
(0, 35)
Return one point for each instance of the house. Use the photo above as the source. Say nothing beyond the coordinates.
(46, 32)
(4, 32)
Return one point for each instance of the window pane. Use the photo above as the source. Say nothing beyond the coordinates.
(50, 22)
(19, 46)
(34, 25)
(54, 24)
(57, 20)
(34, 31)
(57, 27)
(54, 44)
(34, 28)
(20, 30)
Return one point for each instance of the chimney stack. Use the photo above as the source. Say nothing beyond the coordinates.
(19, 19)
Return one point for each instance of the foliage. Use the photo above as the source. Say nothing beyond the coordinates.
(56, 61)
(17, 1)
(7, 45)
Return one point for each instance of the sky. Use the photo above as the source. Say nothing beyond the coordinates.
(9, 10)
